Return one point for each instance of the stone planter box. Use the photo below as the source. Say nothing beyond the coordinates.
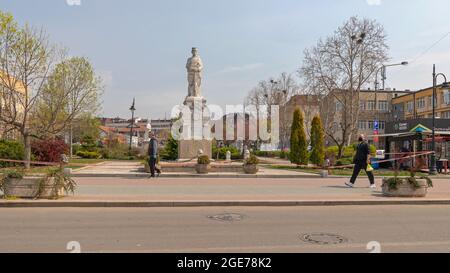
(146, 168)
(405, 189)
(251, 168)
(28, 187)
(202, 168)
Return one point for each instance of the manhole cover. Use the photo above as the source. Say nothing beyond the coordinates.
(323, 239)
(227, 217)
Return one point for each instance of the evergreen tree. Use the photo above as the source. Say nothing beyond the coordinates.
(317, 142)
(299, 153)
(170, 151)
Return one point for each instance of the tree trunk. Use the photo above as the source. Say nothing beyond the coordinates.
(341, 151)
(71, 141)
(27, 143)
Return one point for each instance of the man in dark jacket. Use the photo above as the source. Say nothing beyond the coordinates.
(361, 161)
(153, 155)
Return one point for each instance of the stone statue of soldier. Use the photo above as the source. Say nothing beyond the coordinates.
(194, 68)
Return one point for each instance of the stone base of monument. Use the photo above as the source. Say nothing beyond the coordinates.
(188, 149)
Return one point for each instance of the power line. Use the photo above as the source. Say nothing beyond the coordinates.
(431, 47)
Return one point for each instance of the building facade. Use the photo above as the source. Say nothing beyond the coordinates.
(375, 110)
(11, 108)
(141, 129)
(419, 104)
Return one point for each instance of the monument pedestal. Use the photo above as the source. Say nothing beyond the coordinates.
(189, 148)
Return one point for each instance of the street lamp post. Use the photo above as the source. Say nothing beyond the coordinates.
(445, 85)
(382, 69)
(132, 109)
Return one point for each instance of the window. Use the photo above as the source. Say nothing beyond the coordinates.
(410, 106)
(362, 125)
(362, 105)
(371, 125)
(382, 125)
(382, 105)
(445, 115)
(339, 106)
(371, 105)
(430, 102)
(421, 103)
(446, 97)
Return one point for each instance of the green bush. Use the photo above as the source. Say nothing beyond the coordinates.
(120, 152)
(252, 160)
(299, 152)
(373, 150)
(76, 148)
(235, 154)
(89, 144)
(273, 154)
(10, 150)
(170, 150)
(88, 155)
(317, 154)
(203, 160)
(344, 161)
(332, 150)
(349, 151)
(284, 154)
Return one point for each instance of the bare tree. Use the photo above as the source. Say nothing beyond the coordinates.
(336, 70)
(275, 91)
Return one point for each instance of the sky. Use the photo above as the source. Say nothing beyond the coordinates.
(140, 47)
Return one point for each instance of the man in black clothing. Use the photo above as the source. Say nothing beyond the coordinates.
(153, 155)
(361, 161)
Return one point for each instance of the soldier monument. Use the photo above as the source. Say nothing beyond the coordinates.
(196, 143)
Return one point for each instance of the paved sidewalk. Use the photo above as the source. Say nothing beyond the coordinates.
(165, 192)
(132, 169)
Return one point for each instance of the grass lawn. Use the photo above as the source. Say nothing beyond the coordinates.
(340, 172)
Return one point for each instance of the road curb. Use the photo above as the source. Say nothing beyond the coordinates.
(212, 175)
(171, 204)
(168, 175)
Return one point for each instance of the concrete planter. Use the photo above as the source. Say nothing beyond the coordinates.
(405, 189)
(251, 168)
(202, 168)
(324, 173)
(28, 187)
(146, 168)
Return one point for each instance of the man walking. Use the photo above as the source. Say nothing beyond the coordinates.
(362, 161)
(153, 155)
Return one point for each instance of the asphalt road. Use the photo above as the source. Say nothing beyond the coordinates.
(262, 229)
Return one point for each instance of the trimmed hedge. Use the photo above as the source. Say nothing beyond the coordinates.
(344, 161)
(88, 155)
(273, 154)
(10, 150)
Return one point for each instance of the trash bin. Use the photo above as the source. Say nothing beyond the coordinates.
(375, 163)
